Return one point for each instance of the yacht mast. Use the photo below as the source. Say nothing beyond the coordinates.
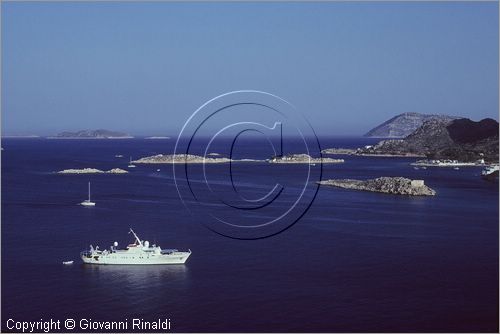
(136, 237)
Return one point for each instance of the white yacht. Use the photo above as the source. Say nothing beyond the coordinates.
(88, 202)
(137, 253)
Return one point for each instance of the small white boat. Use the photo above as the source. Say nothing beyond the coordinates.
(131, 165)
(491, 172)
(88, 202)
(67, 262)
(118, 156)
(456, 168)
(158, 170)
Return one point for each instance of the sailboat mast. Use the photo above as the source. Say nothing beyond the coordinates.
(281, 140)
(89, 191)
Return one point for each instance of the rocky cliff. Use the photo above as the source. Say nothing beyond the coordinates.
(459, 139)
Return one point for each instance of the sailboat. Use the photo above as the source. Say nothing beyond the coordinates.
(131, 165)
(87, 202)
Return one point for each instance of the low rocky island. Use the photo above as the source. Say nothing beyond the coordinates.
(339, 151)
(217, 158)
(388, 185)
(178, 158)
(370, 151)
(91, 134)
(92, 171)
(447, 163)
(303, 159)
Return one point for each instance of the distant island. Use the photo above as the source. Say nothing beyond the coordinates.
(20, 136)
(404, 124)
(388, 185)
(91, 134)
(302, 159)
(92, 171)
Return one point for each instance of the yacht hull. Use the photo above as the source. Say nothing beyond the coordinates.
(136, 259)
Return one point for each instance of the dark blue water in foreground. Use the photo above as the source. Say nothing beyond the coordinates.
(356, 261)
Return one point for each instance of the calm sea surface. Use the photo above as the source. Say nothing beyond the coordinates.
(356, 261)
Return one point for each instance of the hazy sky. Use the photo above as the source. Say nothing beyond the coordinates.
(144, 68)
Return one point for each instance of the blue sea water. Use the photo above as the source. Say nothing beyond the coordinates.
(355, 262)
